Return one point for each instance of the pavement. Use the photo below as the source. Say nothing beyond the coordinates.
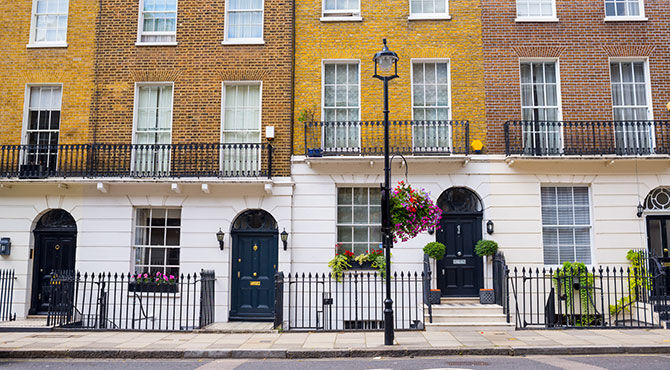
(307, 345)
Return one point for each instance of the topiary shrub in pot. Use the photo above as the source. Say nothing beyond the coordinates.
(486, 248)
(436, 251)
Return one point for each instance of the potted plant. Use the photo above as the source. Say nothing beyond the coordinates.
(486, 248)
(159, 283)
(412, 212)
(435, 250)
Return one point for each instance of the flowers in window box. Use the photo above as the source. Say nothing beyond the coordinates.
(343, 262)
(157, 279)
(412, 212)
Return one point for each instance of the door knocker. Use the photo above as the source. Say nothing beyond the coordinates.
(57, 247)
(255, 247)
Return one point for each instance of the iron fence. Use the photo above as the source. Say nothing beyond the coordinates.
(136, 160)
(109, 301)
(438, 137)
(500, 286)
(322, 303)
(578, 297)
(553, 138)
(7, 278)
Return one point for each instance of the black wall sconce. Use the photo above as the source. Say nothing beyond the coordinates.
(640, 210)
(5, 245)
(431, 231)
(219, 236)
(489, 227)
(284, 238)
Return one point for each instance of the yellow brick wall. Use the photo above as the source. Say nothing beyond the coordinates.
(458, 39)
(72, 67)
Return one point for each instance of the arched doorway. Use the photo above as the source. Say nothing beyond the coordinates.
(657, 207)
(460, 272)
(254, 264)
(55, 246)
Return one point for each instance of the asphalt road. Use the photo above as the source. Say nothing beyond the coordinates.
(649, 362)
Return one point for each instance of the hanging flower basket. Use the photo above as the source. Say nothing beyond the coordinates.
(412, 212)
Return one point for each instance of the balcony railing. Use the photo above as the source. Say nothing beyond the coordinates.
(136, 160)
(367, 138)
(587, 138)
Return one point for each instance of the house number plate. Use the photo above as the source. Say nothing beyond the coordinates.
(255, 283)
(459, 262)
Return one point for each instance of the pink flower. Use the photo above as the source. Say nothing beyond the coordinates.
(146, 275)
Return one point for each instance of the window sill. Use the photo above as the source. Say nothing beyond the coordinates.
(342, 19)
(46, 46)
(428, 17)
(171, 43)
(626, 19)
(243, 42)
(536, 19)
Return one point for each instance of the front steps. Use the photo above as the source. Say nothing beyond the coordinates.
(458, 312)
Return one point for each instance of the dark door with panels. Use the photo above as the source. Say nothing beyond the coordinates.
(254, 264)
(460, 272)
(55, 248)
(658, 240)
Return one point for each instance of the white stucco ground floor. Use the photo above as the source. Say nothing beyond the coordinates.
(541, 212)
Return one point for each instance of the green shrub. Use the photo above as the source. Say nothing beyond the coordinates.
(435, 250)
(486, 248)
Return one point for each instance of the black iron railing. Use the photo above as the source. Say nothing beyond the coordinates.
(136, 160)
(579, 297)
(587, 138)
(320, 302)
(367, 138)
(500, 288)
(107, 301)
(7, 278)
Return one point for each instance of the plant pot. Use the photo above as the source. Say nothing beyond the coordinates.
(435, 295)
(487, 296)
(149, 287)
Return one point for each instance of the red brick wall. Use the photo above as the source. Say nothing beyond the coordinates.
(197, 66)
(583, 43)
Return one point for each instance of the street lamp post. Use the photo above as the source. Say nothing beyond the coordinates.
(386, 62)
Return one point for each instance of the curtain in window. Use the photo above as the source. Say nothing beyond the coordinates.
(622, 8)
(51, 20)
(428, 6)
(241, 129)
(539, 106)
(159, 21)
(535, 8)
(358, 220)
(153, 129)
(566, 221)
(245, 19)
(341, 4)
(341, 107)
(431, 103)
(43, 126)
(632, 132)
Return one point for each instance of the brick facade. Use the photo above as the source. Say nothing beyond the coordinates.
(583, 43)
(197, 66)
(71, 66)
(458, 39)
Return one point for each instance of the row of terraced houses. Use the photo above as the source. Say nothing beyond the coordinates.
(132, 131)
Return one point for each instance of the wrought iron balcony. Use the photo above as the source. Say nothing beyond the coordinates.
(366, 138)
(136, 160)
(587, 138)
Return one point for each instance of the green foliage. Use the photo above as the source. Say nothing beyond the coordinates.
(486, 248)
(565, 278)
(338, 265)
(307, 115)
(637, 277)
(435, 250)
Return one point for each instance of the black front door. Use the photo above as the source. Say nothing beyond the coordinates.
(658, 241)
(53, 251)
(459, 273)
(254, 266)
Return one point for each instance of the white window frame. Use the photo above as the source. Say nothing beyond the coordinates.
(323, 94)
(431, 60)
(625, 18)
(340, 15)
(590, 226)
(259, 83)
(558, 92)
(26, 116)
(243, 41)
(136, 116)
(140, 25)
(551, 18)
(33, 28)
(352, 224)
(135, 246)
(429, 16)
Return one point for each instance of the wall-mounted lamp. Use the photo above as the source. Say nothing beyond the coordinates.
(431, 231)
(219, 236)
(284, 238)
(270, 133)
(640, 209)
(5, 245)
(489, 227)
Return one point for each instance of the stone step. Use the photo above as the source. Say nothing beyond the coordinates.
(457, 310)
(449, 300)
(446, 326)
(470, 318)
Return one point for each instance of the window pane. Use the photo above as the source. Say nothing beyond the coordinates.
(571, 240)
